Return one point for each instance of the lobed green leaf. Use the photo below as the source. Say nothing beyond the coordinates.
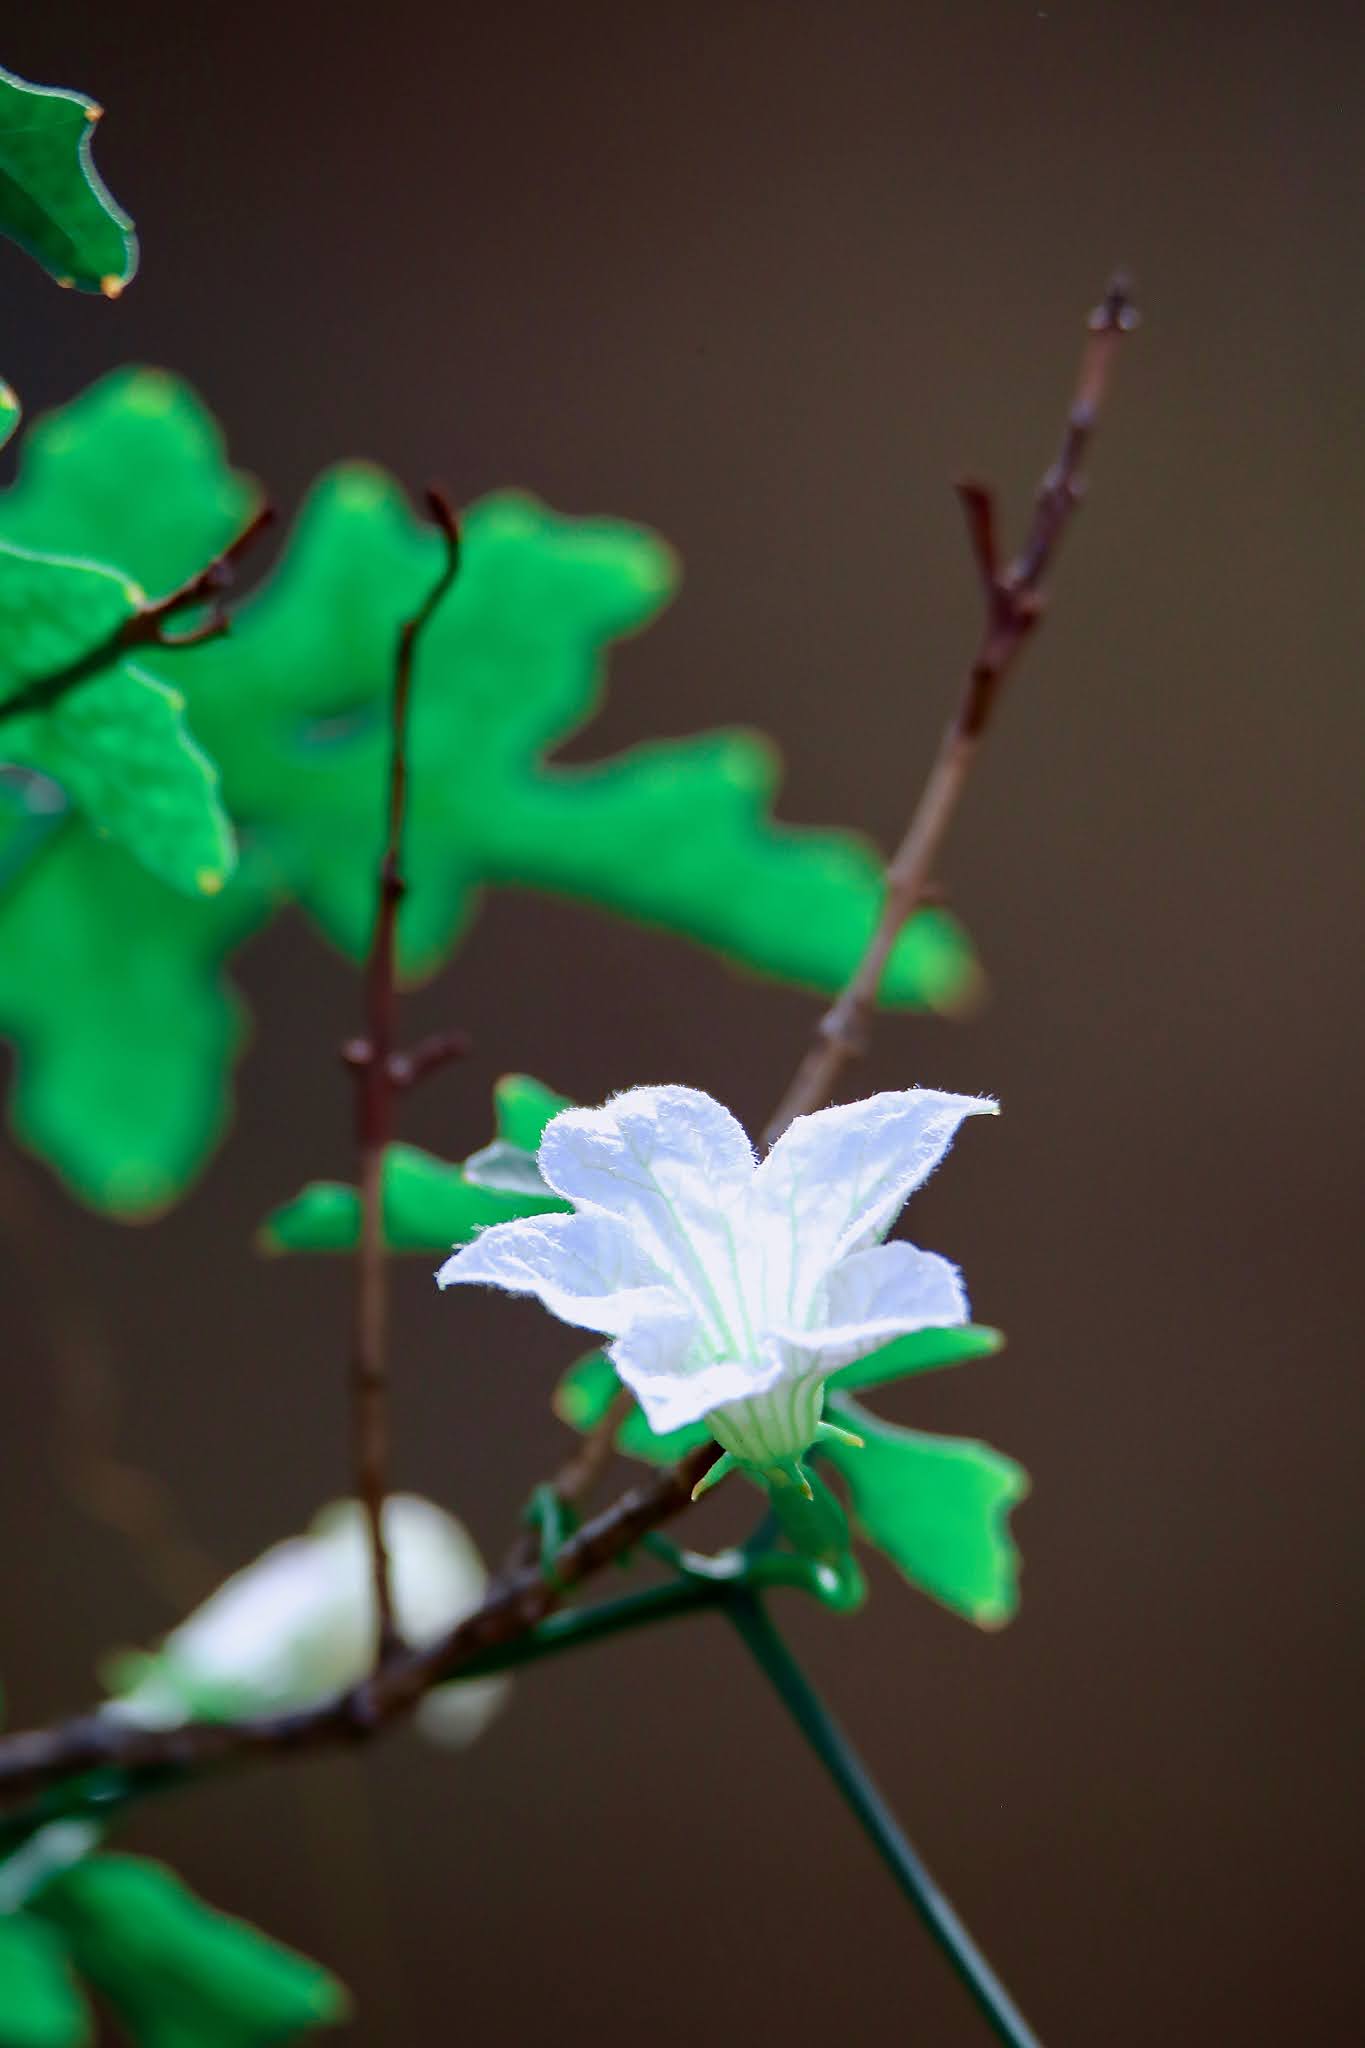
(40, 2004)
(115, 742)
(178, 1973)
(291, 707)
(428, 1203)
(53, 201)
(112, 991)
(938, 1507)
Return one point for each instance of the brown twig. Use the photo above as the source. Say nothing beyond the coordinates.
(145, 626)
(380, 1071)
(1012, 607)
(514, 1605)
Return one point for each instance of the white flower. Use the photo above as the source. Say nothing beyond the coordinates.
(733, 1289)
(298, 1625)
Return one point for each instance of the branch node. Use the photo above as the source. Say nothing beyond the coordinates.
(845, 1026)
(145, 626)
(428, 1056)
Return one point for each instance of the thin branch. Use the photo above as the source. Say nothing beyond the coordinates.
(1012, 607)
(379, 1071)
(831, 1745)
(573, 1483)
(428, 1056)
(850, 1775)
(581, 1470)
(146, 626)
(513, 1607)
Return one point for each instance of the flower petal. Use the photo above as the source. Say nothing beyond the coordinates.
(872, 1297)
(674, 1168)
(676, 1377)
(454, 1715)
(836, 1181)
(586, 1269)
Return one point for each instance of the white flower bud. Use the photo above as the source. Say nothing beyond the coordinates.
(298, 1625)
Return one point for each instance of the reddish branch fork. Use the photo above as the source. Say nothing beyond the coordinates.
(149, 624)
(1012, 606)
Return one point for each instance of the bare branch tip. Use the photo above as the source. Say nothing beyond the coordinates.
(1117, 312)
(442, 513)
(428, 1056)
(978, 505)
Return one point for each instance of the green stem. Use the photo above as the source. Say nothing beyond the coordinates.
(580, 1628)
(841, 1760)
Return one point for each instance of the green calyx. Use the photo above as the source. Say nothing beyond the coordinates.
(768, 1438)
(770, 1432)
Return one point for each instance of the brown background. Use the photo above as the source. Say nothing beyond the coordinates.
(766, 276)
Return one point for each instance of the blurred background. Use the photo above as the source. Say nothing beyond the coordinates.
(766, 277)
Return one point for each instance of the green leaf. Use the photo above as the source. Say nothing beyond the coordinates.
(126, 1095)
(53, 610)
(110, 987)
(673, 833)
(521, 1109)
(53, 201)
(134, 471)
(292, 709)
(11, 412)
(429, 1205)
(40, 2006)
(590, 1385)
(116, 743)
(178, 1973)
(938, 1507)
(920, 1351)
(586, 1391)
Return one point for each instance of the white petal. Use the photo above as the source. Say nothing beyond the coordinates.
(677, 1379)
(298, 1624)
(675, 1169)
(586, 1269)
(455, 1715)
(836, 1181)
(288, 1628)
(870, 1298)
(437, 1573)
(506, 1169)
